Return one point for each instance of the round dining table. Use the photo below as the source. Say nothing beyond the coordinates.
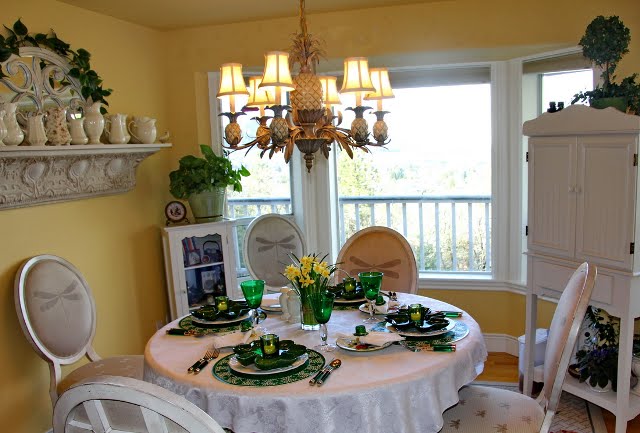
(393, 390)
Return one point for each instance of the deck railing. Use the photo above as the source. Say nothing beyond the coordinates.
(446, 233)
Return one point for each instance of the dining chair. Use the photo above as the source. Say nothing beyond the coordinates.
(268, 241)
(489, 409)
(126, 405)
(384, 250)
(57, 314)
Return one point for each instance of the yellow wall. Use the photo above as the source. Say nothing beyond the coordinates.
(446, 32)
(113, 240)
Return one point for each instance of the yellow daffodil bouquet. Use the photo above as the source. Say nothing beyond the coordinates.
(308, 274)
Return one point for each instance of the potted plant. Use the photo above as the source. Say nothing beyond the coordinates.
(597, 360)
(203, 182)
(605, 41)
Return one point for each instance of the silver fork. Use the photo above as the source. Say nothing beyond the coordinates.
(210, 354)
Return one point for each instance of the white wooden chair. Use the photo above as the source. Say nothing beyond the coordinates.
(485, 409)
(268, 241)
(57, 314)
(125, 405)
(381, 249)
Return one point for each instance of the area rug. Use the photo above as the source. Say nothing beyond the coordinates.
(574, 414)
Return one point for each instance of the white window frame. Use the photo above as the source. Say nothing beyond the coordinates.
(315, 197)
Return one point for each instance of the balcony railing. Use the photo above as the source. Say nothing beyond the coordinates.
(446, 233)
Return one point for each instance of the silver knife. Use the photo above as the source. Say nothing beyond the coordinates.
(320, 372)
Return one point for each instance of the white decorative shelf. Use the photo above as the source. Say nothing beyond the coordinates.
(33, 175)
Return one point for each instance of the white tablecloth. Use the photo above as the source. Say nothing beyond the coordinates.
(388, 391)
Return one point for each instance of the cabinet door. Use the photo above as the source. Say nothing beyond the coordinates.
(551, 199)
(605, 199)
(202, 265)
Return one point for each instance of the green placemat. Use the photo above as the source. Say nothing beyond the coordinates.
(186, 323)
(223, 373)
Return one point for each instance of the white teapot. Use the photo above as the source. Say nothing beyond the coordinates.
(290, 304)
(143, 129)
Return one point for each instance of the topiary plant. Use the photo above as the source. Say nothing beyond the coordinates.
(605, 41)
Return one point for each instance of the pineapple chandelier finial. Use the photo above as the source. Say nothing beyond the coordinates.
(309, 120)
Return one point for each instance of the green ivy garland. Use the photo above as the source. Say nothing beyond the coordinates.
(90, 82)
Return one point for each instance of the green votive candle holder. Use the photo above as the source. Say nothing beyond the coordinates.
(222, 303)
(270, 345)
(349, 284)
(415, 312)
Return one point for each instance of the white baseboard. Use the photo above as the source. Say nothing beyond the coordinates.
(502, 343)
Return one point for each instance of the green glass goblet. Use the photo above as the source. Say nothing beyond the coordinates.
(322, 305)
(252, 291)
(371, 283)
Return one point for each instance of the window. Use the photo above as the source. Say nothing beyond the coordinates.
(432, 183)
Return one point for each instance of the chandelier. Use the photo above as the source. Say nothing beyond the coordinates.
(309, 122)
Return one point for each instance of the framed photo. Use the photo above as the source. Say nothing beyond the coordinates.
(208, 280)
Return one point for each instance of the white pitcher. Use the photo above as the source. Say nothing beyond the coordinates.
(36, 135)
(116, 128)
(290, 304)
(76, 128)
(142, 129)
(3, 128)
(15, 134)
(93, 122)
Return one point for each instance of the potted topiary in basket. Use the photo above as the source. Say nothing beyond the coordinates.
(204, 181)
(605, 41)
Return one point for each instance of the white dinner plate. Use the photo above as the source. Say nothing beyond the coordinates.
(349, 344)
(255, 371)
(365, 309)
(340, 301)
(219, 322)
(404, 333)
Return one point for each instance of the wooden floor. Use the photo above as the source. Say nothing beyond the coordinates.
(501, 367)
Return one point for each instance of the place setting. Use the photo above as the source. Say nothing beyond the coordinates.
(348, 293)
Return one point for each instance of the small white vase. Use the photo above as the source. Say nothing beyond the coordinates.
(36, 135)
(94, 122)
(597, 388)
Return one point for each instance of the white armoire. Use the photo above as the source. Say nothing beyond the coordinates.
(583, 206)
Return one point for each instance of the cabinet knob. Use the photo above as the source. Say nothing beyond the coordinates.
(578, 189)
(572, 188)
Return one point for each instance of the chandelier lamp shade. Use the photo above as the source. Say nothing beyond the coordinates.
(308, 123)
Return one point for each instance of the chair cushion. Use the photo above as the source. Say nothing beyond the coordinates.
(127, 366)
(495, 410)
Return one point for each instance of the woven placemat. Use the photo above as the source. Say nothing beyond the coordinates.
(222, 372)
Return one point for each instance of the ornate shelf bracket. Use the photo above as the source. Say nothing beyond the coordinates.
(31, 175)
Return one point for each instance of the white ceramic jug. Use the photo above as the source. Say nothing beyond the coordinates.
(116, 128)
(15, 134)
(142, 129)
(36, 135)
(56, 126)
(76, 128)
(3, 128)
(290, 304)
(93, 122)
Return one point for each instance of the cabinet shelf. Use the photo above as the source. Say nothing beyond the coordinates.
(606, 400)
(34, 175)
(203, 265)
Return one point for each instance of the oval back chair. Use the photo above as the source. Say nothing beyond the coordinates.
(57, 314)
(484, 409)
(385, 250)
(126, 405)
(268, 241)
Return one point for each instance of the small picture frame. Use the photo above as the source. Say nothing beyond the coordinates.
(208, 280)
